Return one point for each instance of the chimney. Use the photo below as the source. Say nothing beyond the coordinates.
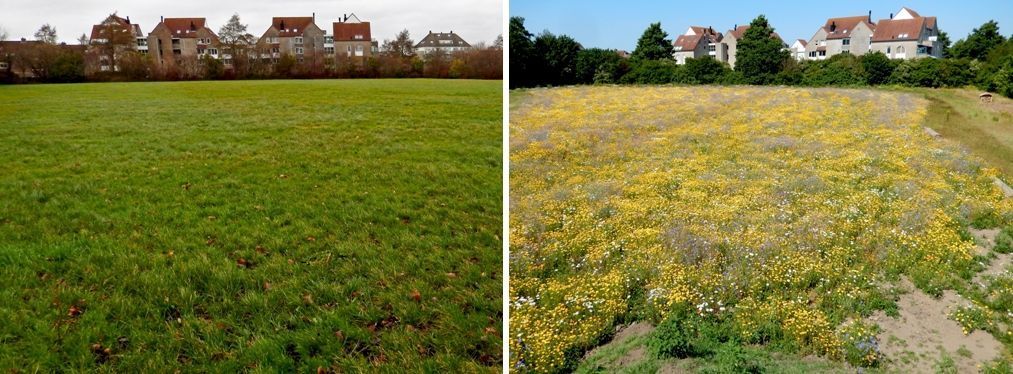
(891, 15)
(735, 27)
(833, 26)
(128, 20)
(870, 16)
(163, 19)
(314, 17)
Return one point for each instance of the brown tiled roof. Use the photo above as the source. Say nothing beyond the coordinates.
(433, 40)
(121, 24)
(184, 27)
(346, 31)
(690, 42)
(291, 26)
(804, 43)
(740, 31)
(842, 27)
(902, 29)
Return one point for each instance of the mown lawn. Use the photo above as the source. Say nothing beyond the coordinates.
(266, 226)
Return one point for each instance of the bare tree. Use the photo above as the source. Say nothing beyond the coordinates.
(83, 39)
(498, 43)
(401, 46)
(237, 44)
(116, 36)
(46, 34)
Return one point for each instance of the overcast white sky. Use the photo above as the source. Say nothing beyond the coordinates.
(475, 20)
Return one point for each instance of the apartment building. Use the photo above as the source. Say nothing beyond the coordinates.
(730, 42)
(797, 49)
(294, 36)
(907, 35)
(351, 39)
(904, 36)
(441, 41)
(175, 40)
(698, 42)
(110, 39)
(841, 35)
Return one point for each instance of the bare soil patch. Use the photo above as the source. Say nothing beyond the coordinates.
(923, 332)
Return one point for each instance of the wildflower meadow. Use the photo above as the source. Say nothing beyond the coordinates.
(780, 215)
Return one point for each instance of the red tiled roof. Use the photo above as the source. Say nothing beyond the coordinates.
(902, 29)
(804, 43)
(120, 24)
(690, 42)
(184, 27)
(740, 31)
(347, 31)
(843, 27)
(291, 26)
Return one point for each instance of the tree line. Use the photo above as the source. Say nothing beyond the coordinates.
(983, 59)
(49, 61)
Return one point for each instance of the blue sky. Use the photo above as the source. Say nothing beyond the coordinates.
(618, 24)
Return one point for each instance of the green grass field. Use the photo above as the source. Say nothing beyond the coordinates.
(263, 226)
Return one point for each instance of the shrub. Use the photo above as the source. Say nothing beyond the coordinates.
(840, 70)
(1004, 240)
(685, 334)
(877, 67)
(653, 72)
(733, 358)
(705, 70)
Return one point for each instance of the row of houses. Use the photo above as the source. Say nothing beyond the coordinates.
(174, 40)
(301, 37)
(905, 35)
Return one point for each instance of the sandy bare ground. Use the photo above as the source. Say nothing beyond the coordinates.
(923, 332)
(635, 355)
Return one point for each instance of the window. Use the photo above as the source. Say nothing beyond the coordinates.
(823, 53)
(298, 50)
(213, 51)
(3, 66)
(329, 50)
(141, 42)
(887, 50)
(846, 41)
(204, 41)
(298, 40)
(328, 40)
(275, 50)
(812, 54)
(201, 51)
(358, 37)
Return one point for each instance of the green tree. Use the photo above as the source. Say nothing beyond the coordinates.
(653, 44)
(979, 42)
(522, 52)
(559, 54)
(760, 55)
(68, 67)
(592, 61)
(213, 67)
(877, 67)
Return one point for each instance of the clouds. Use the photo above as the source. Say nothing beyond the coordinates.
(475, 20)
